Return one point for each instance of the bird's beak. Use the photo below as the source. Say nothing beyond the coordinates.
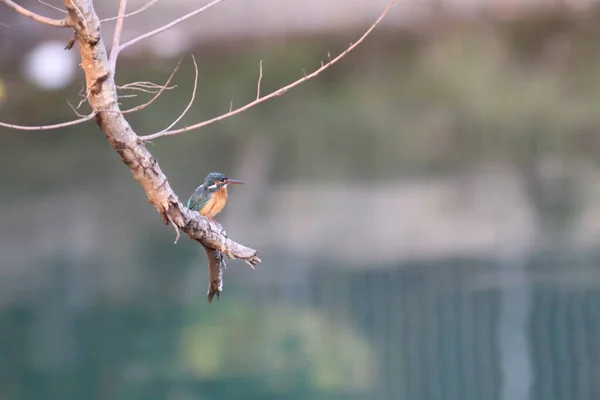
(235, 182)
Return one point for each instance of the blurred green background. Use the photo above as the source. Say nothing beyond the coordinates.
(427, 212)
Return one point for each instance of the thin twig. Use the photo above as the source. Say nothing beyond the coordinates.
(191, 100)
(259, 79)
(143, 84)
(251, 265)
(71, 42)
(140, 89)
(143, 8)
(58, 23)
(114, 50)
(75, 110)
(162, 89)
(81, 102)
(146, 87)
(52, 6)
(176, 231)
(277, 92)
(48, 127)
(171, 24)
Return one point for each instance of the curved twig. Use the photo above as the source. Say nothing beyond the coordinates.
(191, 100)
(259, 80)
(276, 93)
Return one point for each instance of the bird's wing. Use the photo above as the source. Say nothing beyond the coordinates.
(197, 200)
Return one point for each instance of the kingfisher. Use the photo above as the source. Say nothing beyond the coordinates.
(209, 198)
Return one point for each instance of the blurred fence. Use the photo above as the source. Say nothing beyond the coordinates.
(473, 329)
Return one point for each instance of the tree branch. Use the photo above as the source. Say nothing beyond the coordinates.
(171, 24)
(102, 97)
(101, 93)
(271, 95)
(58, 23)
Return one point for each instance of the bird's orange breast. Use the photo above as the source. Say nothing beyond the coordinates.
(215, 204)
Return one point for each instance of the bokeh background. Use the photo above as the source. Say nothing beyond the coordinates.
(427, 210)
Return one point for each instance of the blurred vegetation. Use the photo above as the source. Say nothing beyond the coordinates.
(402, 105)
(297, 355)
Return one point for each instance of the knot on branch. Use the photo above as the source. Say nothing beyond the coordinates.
(96, 88)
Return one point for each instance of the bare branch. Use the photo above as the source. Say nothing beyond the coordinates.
(171, 24)
(191, 100)
(259, 79)
(102, 97)
(143, 8)
(51, 6)
(58, 23)
(114, 50)
(48, 127)
(101, 94)
(276, 93)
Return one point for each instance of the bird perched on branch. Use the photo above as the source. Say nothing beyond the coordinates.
(210, 198)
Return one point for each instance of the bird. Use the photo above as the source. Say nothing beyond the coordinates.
(210, 198)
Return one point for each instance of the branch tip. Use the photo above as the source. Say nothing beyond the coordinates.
(260, 75)
(52, 6)
(143, 8)
(275, 93)
(176, 231)
(171, 24)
